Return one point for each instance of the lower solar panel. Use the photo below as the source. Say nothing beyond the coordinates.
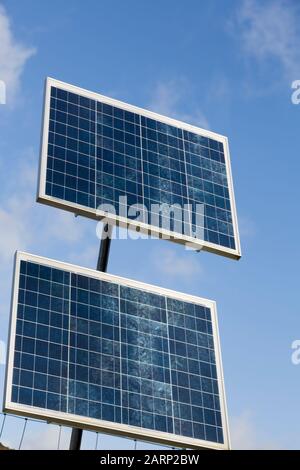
(105, 353)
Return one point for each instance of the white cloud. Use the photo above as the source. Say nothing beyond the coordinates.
(247, 227)
(246, 435)
(3, 348)
(22, 217)
(37, 436)
(15, 221)
(167, 95)
(170, 96)
(243, 435)
(269, 33)
(40, 436)
(87, 256)
(13, 235)
(26, 225)
(28, 167)
(197, 118)
(13, 57)
(65, 226)
(46, 437)
(169, 263)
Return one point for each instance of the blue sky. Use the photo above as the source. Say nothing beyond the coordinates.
(223, 65)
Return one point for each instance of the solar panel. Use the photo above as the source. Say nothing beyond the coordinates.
(96, 150)
(114, 355)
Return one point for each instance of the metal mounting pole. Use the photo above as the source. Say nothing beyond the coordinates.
(102, 262)
(104, 248)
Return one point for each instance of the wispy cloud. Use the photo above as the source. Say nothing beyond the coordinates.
(14, 233)
(37, 436)
(67, 226)
(27, 222)
(16, 206)
(26, 225)
(269, 33)
(46, 437)
(246, 435)
(247, 227)
(171, 265)
(243, 435)
(2, 353)
(170, 97)
(13, 57)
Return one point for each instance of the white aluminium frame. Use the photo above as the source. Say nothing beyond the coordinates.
(67, 419)
(117, 219)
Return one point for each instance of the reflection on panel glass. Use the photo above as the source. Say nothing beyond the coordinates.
(98, 152)
(108, 351)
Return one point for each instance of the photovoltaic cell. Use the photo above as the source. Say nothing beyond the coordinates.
(97, 152)
(93, 346)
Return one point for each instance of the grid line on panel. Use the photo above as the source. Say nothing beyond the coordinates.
(69, 345)
(35, 344)
(169, 353)
(187, 188)
(96, 164)
(142, 167)
(120, 356)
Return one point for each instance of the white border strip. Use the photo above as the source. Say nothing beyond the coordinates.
(99, 425)
(145, 228)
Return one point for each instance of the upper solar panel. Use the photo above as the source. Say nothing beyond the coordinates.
(114, 355)
(96, 150)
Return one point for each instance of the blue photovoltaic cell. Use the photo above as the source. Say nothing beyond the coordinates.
(98, 152)
(103, 350)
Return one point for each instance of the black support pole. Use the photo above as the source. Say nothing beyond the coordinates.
(76, 437)
(102, 263)
(104, 248)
